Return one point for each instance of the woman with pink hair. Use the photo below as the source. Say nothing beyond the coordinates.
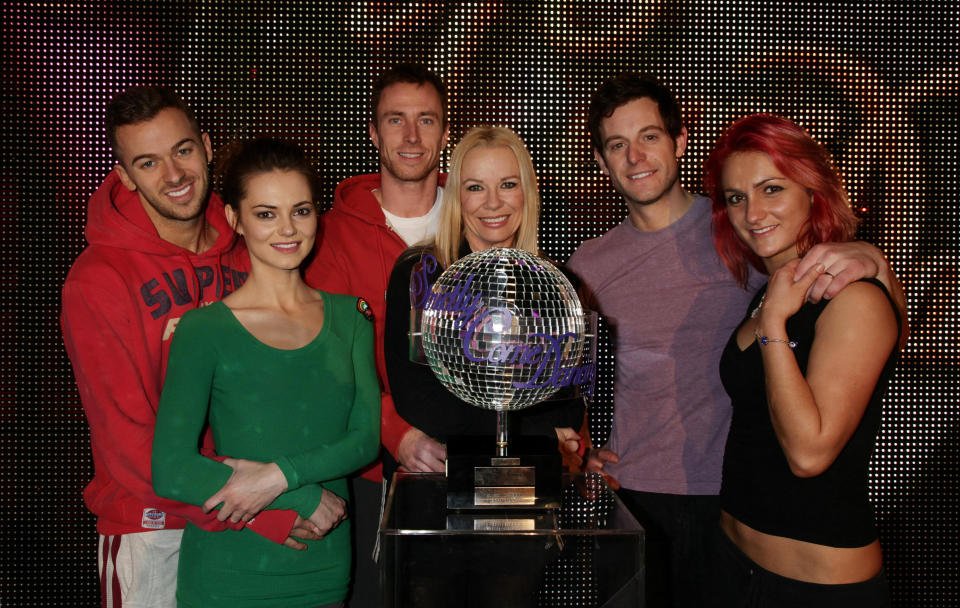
(805, 380)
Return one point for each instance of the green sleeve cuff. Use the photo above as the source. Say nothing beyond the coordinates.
(289, 471)
(302, 500)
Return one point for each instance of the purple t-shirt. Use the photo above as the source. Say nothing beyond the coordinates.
(671, 305)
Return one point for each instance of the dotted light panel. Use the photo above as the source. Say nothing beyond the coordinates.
(878, 82)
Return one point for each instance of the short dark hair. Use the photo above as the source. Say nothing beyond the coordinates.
(139, 104)
(413, 73)
(624, 88)
(255, 156)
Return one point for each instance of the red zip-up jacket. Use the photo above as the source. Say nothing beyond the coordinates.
(355, 254)
(121, 303)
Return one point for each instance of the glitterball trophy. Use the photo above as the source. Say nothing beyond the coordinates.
(503, 329)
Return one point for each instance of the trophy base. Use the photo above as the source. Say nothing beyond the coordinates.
(528, 477)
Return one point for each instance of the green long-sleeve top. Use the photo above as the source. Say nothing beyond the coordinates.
(315, 411)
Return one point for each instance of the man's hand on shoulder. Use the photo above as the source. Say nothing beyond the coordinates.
(843, 264)
(847, 262)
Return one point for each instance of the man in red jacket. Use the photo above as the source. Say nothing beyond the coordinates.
(373, 219)
(159, 245)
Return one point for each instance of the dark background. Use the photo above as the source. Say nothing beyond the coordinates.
(877, 82)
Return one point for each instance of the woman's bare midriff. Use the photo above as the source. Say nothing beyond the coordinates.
(804, 561)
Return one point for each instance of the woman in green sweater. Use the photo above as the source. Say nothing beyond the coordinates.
(285, 377)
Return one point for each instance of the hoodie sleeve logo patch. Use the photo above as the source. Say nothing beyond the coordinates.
(365, 309)
(153, 519)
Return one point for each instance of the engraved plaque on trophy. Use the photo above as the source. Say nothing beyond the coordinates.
(503, 330)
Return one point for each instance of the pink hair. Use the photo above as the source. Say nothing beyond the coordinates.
(802, 160)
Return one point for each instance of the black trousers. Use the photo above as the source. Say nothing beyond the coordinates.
(364, 513)
(678, 529)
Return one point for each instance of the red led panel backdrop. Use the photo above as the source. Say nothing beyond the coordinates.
(878, 82)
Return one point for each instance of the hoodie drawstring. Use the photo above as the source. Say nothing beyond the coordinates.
(198, 289)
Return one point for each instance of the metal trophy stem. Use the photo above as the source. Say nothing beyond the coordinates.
(502, 431)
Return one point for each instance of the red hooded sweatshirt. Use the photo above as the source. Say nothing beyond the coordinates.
(356, 251)
(122, 301)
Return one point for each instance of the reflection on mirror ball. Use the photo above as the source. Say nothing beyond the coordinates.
(503, 329)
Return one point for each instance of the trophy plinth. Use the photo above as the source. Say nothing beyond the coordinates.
(478, 478)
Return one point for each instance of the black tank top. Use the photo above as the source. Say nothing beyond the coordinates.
(758, 487)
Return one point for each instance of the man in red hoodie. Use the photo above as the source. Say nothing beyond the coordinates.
(373, 219)
(159, 245)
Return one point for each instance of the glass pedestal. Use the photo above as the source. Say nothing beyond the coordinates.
(587, 553)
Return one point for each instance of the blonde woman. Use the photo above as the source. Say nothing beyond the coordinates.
(490, 200)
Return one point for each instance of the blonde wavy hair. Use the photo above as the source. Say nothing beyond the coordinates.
(450, 230)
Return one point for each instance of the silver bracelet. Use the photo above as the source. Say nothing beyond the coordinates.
(763, 340)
